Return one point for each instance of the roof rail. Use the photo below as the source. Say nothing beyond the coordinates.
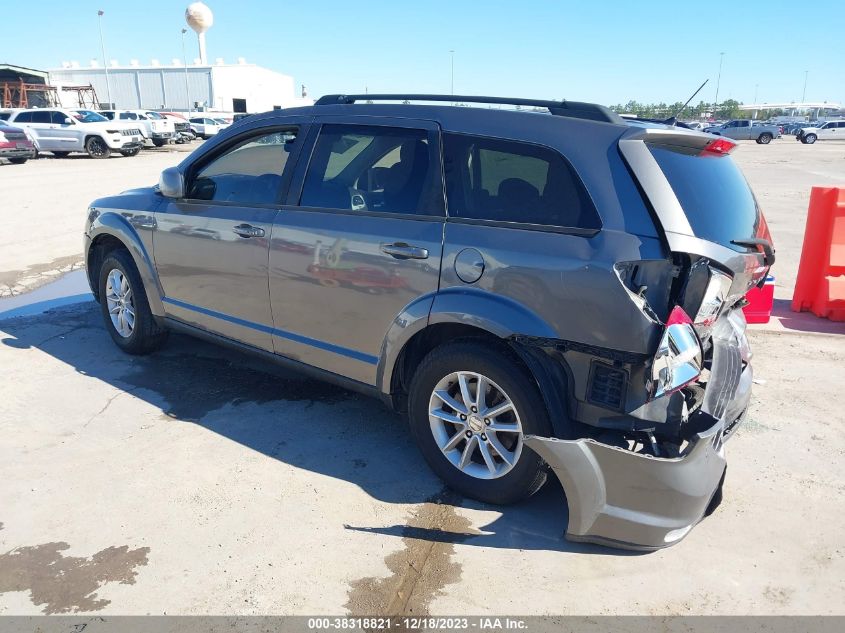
(574, 109)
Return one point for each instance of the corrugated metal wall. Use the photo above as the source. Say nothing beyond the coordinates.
(149, 88)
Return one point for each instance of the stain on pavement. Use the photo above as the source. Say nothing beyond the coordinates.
(421, 569)
(68, 584)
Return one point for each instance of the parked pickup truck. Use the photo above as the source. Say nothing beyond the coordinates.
(746, 129)
(824, 131)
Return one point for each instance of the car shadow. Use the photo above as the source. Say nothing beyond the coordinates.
(299, 421)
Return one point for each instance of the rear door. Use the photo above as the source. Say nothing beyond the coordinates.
(41, 124)
(211, 247)
(358, 242)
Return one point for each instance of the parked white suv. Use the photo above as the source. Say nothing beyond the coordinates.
(155, 127)
(64, 131)
(204, 126)
(831, 130)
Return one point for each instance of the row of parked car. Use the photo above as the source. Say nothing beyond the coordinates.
(24, 133)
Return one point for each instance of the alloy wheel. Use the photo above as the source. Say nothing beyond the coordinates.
(120, 303)
(475, 424)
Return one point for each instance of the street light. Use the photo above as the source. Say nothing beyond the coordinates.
(185, 62)
(103, 50)
(804, 94)
(452, 55)
(756, 86)
(719, 80)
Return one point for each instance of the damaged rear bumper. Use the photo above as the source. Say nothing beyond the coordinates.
(631, 500)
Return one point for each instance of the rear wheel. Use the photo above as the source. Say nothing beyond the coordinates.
(123, 304)
(130, 152)
(18, 161)
(470, 407)
(159, 142)
(61, 154)
(765, 138)
(97, 148)
(809, 139)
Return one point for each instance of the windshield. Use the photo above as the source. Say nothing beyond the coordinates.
(154, 115)
(713, 192)
(88, 116)
(223, 121)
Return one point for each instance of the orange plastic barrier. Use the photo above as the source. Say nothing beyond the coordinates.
(820, 287)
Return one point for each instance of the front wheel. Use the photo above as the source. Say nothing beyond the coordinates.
(809, 139)
(97, 148)
(18, 161)
(470, 407)
(159, 142)
(61, 154)
(765, 138)
(123, 304)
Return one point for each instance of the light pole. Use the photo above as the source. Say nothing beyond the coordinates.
(452, 55)
(804, 94)
(756, 86)
(185, 62)
(103, 50)
(718, 80)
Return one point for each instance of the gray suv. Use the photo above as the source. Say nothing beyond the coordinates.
(546, 288)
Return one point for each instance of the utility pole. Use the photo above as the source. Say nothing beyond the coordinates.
(105, 63)
(185, 62)
(452, 55)
(804, 94)
(718, 80)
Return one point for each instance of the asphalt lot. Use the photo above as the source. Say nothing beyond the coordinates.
(200, 481)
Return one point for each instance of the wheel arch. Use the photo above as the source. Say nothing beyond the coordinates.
(460, 313)
(111, 231)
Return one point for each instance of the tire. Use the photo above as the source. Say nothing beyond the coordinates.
(144, 335)
(765, 138)
(809, 139)
(97, 147)
(502, 484)
(130, 152)
(159, 142)
(61, 154)
(18, 161)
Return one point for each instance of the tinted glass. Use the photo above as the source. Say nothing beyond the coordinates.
(4, 116)
(249, 173)
(507, 181)
(718, 203)
(44, 116)
(24, 117)
(374, 168)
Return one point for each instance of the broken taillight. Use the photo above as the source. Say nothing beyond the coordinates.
(678, 360)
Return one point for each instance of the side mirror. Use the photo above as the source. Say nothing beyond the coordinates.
(171, 184)
(68, 121)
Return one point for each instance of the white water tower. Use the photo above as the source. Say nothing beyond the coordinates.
(200, 18)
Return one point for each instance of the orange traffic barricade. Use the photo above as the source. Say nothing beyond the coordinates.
(820, 287)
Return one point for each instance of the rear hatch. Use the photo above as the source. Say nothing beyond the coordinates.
(701, 200)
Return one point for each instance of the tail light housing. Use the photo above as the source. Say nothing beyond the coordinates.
(720, 145)
(678, 360)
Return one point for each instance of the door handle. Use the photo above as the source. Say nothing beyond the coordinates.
(401, 250)
(247, 230)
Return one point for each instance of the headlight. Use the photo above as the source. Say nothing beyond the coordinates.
(715, 295)
(678, 359)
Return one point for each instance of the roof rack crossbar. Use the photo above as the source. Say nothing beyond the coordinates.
(574, 109)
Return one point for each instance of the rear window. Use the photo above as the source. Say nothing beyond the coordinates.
(713, 192)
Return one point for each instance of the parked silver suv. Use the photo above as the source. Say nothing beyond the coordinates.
(536, 291)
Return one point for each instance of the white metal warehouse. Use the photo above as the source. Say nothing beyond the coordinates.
(221, 87)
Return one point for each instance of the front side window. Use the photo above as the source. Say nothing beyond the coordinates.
(374, 168)
(507, 181)
(249, 173)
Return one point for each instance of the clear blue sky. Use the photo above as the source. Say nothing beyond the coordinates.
(546, 49)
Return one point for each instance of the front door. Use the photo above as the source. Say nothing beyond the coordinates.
(211, 247)
(360, 244)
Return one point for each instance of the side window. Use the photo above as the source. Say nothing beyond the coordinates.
(249, 173)
(508, 181)
(42, 116)
(374, 168)
(24, 117)
(59, 117)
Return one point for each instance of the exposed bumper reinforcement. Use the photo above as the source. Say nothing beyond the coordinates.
(630, 500)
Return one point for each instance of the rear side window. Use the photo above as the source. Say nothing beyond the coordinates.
(23, 117)
(42, 116)
(713, 192)
(374, 168)
(507, 181)
(249, 173)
